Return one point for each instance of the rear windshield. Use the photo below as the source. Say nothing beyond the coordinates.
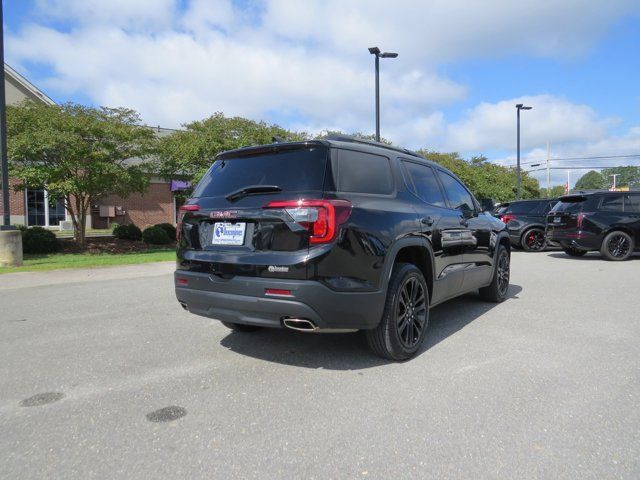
(292, 170)
(570, 205)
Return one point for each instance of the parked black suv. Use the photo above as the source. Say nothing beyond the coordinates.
(605, 221)
(526, 221)
(335, 235)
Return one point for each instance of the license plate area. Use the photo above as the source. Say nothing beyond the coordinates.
(227, 233)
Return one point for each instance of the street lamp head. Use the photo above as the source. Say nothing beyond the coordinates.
(374, 50)
(388, 55)
(521, 106)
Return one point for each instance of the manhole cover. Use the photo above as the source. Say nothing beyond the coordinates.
(166, 414)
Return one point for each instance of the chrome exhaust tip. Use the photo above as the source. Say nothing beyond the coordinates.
(300, 324)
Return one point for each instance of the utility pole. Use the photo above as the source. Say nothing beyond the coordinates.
(568, 181)
(615, 176)
(548, 169)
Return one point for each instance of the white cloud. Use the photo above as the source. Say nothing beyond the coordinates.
(305, 64)
(123, 13)
(551, 119)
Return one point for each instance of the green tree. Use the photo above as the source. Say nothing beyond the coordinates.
(485, 180)
(80, 154)
(556, 191)
(190, 152)
(591, 180)
(627, 176)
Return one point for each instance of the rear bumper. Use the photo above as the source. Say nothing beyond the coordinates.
(579, 239)
(243, 300)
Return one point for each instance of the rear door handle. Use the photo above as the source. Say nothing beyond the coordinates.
(427, 221)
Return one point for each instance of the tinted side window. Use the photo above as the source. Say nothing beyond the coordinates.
(633, 201)
(360, 172)
(426, 184)
(523, 208)
(459, 197)
(613, 203)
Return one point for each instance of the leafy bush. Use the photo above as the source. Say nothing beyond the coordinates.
(127, 232)
(155, 236)
(170, 229)
(22, 228)
(114, 225)
(39, 240)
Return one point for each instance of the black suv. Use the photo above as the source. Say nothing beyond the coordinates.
(335, 235)
(526, 221)
(605, 221)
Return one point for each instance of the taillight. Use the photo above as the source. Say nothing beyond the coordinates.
(507, 218)
(322, 218)
(580, 219)
(184, 209)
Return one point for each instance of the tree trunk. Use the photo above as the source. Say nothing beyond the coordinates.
(78, 211)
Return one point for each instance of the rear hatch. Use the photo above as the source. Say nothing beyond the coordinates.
(564, 215)
(246, 216)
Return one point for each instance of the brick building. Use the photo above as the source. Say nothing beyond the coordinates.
(32, 207)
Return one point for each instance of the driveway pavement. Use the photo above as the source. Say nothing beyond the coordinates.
(103, 375)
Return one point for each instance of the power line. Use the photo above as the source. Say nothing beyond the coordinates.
(573, 159)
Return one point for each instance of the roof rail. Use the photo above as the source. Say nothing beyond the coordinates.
(373, 143)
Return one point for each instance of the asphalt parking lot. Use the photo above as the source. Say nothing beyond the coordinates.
(103, 375)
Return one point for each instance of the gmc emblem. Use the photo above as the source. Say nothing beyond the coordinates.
(223, 214)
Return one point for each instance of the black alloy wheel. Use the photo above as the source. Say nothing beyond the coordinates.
(534, 240)
(497, 290)
(404, 322)
(617, 246)
(411, 312)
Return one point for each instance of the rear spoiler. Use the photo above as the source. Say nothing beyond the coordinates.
(572, 198)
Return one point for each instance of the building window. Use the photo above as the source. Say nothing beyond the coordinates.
(42, 211)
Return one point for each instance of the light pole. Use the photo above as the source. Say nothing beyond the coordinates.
(10, 238)
(6, 214)
(376, 51)
(519, 107)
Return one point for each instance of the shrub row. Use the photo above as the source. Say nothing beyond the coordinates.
(161, 234)
(39, 240)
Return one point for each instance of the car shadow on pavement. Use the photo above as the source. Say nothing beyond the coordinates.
(349, 351)
(590, 256)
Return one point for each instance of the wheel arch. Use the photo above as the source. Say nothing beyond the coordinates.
(415, 250)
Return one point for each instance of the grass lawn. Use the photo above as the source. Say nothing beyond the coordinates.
(56, 261)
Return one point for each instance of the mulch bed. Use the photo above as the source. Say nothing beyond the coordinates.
(110, 245)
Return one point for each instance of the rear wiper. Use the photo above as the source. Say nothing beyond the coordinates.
(251, 189)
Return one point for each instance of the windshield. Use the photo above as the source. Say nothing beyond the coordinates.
(290, 170)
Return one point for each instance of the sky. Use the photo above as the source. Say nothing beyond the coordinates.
(462, 67)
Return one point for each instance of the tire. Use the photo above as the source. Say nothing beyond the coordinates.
(617, 246)
(238, 327)
(497, 291)
(573, 252)
(533, 240)
(405, 318)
